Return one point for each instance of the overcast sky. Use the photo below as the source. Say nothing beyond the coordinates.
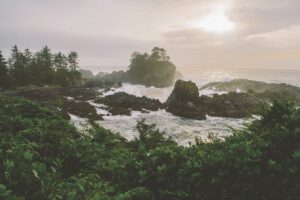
(195, 33)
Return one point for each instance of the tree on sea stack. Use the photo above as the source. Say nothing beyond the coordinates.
(151, 70)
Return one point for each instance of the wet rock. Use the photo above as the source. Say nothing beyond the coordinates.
(82, 94)
(268, 91)
(122, 103)
(234, 105)
(81, 109)
(183, 101)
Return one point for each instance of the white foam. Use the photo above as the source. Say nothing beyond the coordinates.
(238, 90)
(211, 92)
(77, 121)
(100, 108)
(141, 90)
(183, 131)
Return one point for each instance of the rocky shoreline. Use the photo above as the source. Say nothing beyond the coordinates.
(184, 101)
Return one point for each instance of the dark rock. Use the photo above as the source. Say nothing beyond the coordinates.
(268, 91)
(122, 103)
(117, 110)
(56, 100)
(184, 91)
(183, 101)
(81, 109)
(234, 105)
(82, 94)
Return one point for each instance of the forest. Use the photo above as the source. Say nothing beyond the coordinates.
(25, 68)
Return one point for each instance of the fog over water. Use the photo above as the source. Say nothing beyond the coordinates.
(204, 75)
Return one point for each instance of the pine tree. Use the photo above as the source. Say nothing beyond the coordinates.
(16, 67)
(27, 60)
(4, 76)
(73, 61)
(74, 75)
(61, 69)
(44, 66)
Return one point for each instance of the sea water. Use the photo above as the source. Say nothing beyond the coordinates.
(184, 131)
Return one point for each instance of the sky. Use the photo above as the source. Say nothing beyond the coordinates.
(196, 33)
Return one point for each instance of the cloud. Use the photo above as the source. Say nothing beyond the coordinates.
(254, 17)
(106, 32)
(286, 37)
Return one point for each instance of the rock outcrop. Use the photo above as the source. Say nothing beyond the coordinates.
(183, 101)
(63, 100)
(268, 91)
(233, 105)
(122, 103)
(81, 109)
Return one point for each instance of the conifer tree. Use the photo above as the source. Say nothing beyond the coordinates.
(4, 77)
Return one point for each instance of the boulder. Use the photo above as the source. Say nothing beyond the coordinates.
(183, 101)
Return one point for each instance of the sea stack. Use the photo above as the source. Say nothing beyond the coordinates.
(184, 99)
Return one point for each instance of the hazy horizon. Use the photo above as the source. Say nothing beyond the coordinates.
(258, 34)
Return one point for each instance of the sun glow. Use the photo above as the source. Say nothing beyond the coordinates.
(216, 21)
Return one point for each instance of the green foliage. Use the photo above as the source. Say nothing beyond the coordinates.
(113, 79)
(41, 68)
(86, 74)
(42, 156)
(151, 70)
(4, 77)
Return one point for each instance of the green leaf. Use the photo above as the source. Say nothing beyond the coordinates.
(28, 156)
(296, 154)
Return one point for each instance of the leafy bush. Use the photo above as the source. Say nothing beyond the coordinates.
(43, 156)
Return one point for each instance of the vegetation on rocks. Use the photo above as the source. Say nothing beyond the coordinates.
(153, 69)
(73, 100)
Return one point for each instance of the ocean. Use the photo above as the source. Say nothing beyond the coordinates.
(184, 131)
